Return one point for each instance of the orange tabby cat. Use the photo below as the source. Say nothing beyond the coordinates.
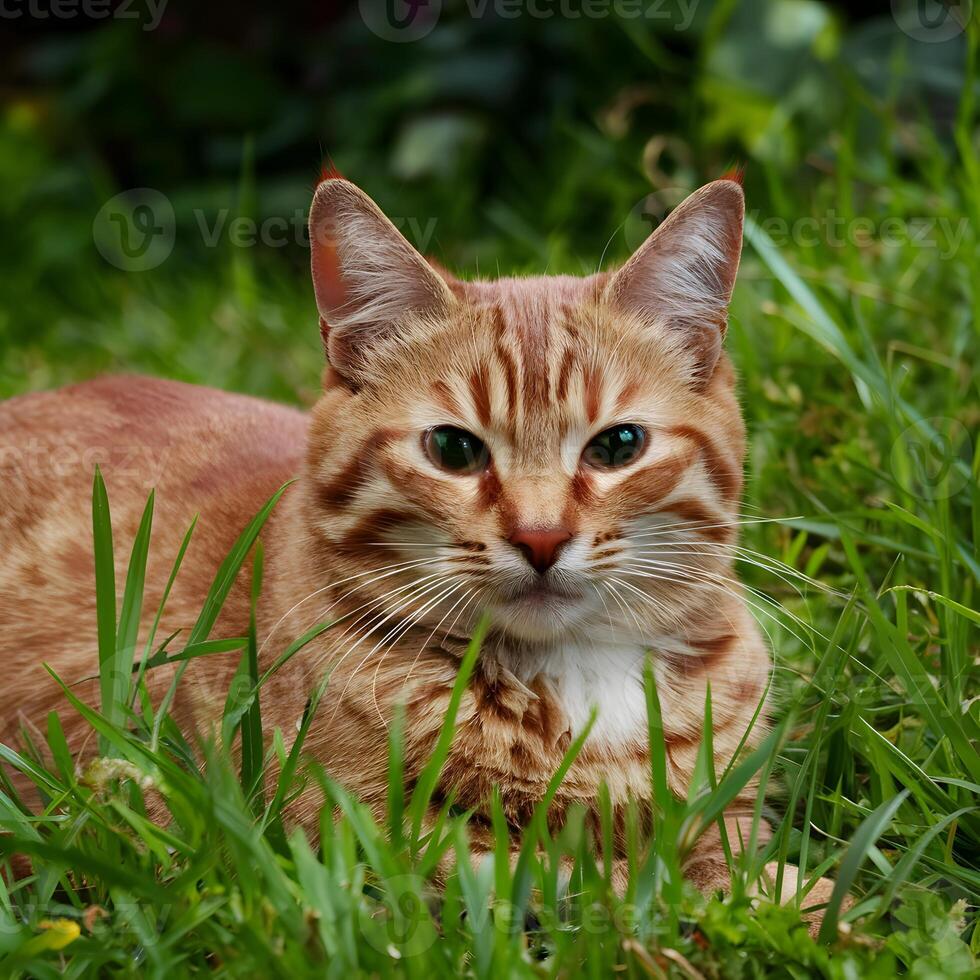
(564, 454)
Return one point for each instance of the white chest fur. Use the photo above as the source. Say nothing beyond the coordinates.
(605, 676)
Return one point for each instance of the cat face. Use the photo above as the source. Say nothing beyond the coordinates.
(562, 453)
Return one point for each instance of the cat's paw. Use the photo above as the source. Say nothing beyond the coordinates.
(815, 897)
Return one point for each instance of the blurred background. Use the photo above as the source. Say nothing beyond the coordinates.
(501, 135)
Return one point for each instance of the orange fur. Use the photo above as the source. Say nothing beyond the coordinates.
(410, 554)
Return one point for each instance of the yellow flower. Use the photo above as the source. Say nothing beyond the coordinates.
(60, 932)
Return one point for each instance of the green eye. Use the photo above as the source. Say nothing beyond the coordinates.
(456, 450)
(615, 447)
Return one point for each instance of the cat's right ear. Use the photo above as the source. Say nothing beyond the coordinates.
(367, 278)
(682, 276)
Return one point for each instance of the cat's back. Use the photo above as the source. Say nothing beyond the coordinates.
(197, 446)
(205, 452)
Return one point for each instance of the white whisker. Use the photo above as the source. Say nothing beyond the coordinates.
(689, 576)
(412, 588)
(421, 650)
(398, 566)
(365, 608)
(746, 555)
(399, 629)
(702, 526)
(452, 626)
(387, 618)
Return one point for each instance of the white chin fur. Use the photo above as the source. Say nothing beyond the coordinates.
(539, 621)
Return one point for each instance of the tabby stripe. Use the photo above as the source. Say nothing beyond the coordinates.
(676, 741)
(690, 739)
(592, 394)
(749, 689)
(443, 394)
(537, 382)
(582, 488)
(428, 493)
(726, 477)
(626, 395)
(701, 518)
(709, 654)
(499, 323)
(492, 497)
(565, 373)
(652, 484)
(367, 530)
(491, 707)
(535, 365)
(341, 490)
(490, 488)
(510, 378)
(481, 397)
(714, 646)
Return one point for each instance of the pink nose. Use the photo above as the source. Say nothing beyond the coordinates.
(540, 546)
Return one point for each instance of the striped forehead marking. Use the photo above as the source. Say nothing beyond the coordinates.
(535, 341)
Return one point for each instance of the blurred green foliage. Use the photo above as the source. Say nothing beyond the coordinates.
(502, 143)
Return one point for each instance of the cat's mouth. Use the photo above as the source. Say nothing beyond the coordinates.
(543, 592)
(540, 611)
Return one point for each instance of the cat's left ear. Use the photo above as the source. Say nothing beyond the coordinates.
(367, 278)
(682, 276)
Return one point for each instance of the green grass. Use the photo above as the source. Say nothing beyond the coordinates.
(224, 885)
(857, 359)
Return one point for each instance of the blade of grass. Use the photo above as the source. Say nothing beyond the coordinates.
(131, 612)
(252, 746)
(221, 586)
(105, 596)
(175, 568)
(864, 837)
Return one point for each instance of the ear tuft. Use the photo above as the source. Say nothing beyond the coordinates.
(367, 278)
(329, 171)
(681, 278)
(735, 174)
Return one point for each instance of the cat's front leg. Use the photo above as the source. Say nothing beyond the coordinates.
(707, 869)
